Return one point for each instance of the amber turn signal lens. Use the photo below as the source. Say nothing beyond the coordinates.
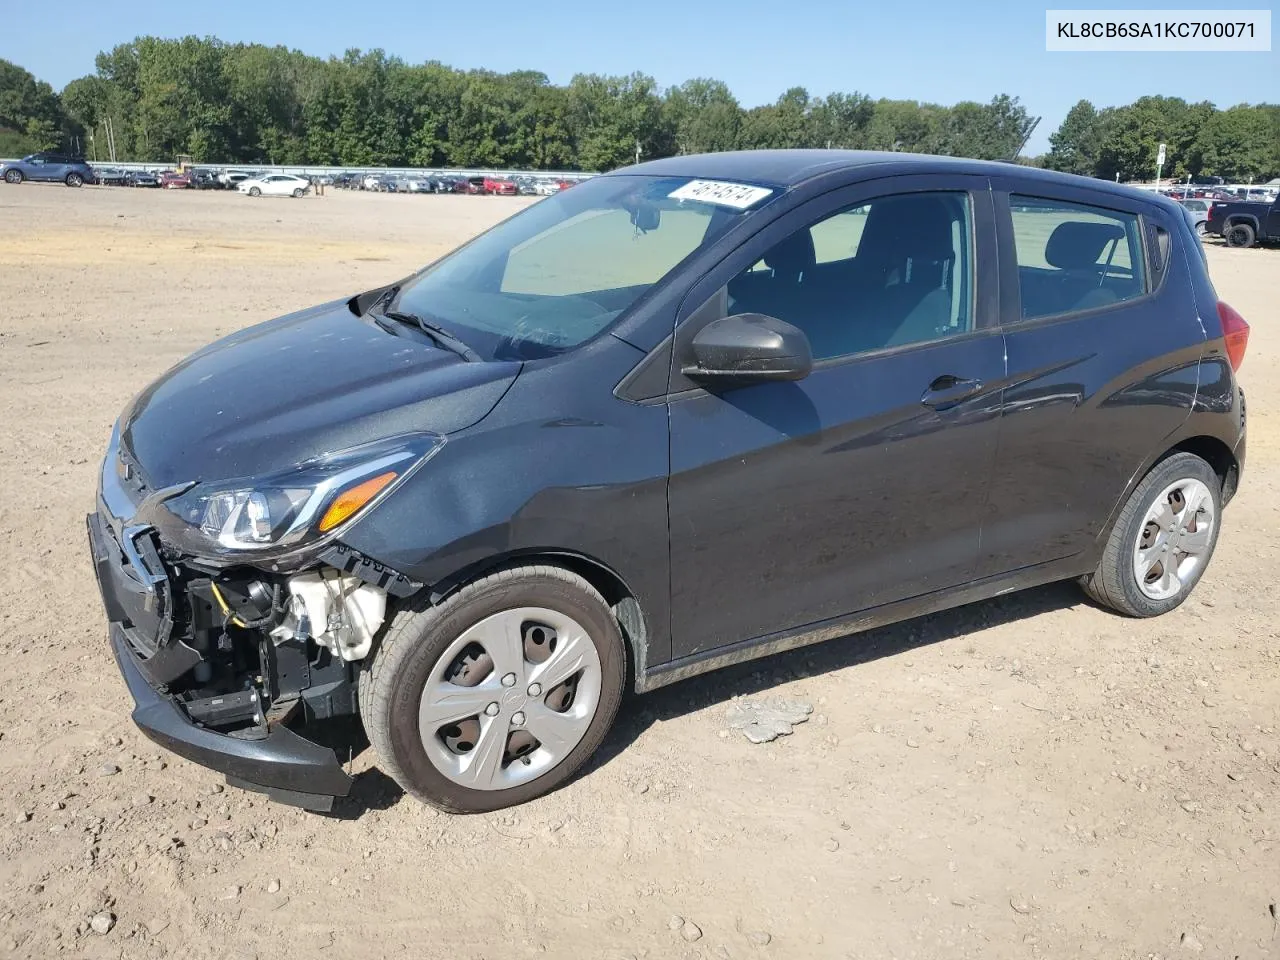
(352, 500)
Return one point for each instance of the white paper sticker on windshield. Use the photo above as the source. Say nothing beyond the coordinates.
(736, 195)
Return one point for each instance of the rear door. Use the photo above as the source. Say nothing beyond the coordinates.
(865, 482)
(56, 167)
(1103, 341)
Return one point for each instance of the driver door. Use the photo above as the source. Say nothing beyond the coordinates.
(793, 503)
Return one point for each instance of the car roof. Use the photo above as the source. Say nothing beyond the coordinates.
(790, 168)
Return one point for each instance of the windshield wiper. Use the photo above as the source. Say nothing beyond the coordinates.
(384, 297)
(436, 332)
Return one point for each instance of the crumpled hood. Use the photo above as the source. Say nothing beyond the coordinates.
(296, 387)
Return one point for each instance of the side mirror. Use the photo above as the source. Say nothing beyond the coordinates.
(749, 348)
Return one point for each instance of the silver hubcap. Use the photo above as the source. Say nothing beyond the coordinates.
(510, 698)
(1174, 541)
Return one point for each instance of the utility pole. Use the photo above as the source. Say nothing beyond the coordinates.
(637, 151)
(1159, 165)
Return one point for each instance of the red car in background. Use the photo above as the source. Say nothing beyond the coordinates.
(500, 188)
(566, 184)
(173, 180)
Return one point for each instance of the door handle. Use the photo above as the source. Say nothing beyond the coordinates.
(947, 390)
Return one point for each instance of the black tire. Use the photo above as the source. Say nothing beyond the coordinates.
(255, 192)
(1240, 235)
(297, 194)
(1114, 583)
(74, 180)
(394, 675)
(13, 176)
(1201, 227)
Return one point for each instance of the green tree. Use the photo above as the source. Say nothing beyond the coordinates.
(611, 118)
(703, 116)
(1242, 143)
(31, 117)
(248, 102)
(1075, 145)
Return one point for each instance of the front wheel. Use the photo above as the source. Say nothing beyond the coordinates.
(13, 176)
(1162, 541)
(1240, 235)
(255, 192)
(297, 193)
(497, 695)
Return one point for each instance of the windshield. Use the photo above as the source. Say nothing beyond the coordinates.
(563, 270)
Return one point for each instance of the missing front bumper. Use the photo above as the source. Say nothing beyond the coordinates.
(281, 764)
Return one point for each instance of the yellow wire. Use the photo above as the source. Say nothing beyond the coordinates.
(226, 609)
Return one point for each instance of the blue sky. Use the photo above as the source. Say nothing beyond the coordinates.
(933, 50)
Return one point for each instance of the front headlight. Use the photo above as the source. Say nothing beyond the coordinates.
(307, 503)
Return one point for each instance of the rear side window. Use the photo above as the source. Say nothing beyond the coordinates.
(1075, 257)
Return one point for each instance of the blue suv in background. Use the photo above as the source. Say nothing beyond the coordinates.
(52, 167)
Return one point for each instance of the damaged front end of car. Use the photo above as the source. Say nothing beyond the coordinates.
(236, 615)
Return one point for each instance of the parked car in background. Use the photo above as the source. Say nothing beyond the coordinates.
(143, 178)
(275, 185)
(1199, 210)
(358, 509)
(474, 185)
(346, 181)
(546, 188)
(49, 168)
(111, 176)
(174, 180)
(233, 178)
(204, 180)
(1242, 223)
(500, 187)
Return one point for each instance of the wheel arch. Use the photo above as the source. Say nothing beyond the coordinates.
(1246, 218)
(1213, 450)
(1216, 453)
(621, 599)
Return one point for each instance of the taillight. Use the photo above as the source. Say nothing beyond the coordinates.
(1235, 332)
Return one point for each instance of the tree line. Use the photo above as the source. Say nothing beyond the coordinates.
(228, 103)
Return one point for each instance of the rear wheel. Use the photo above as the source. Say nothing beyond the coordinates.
(74, 180)
(1201, 227)
(255, 192)
(1162, 541)
(497, 695)
(13, 176)
(1240, 235)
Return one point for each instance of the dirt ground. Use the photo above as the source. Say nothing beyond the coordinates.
(1028, 777)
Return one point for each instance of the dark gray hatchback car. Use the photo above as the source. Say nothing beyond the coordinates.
(683, 415)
